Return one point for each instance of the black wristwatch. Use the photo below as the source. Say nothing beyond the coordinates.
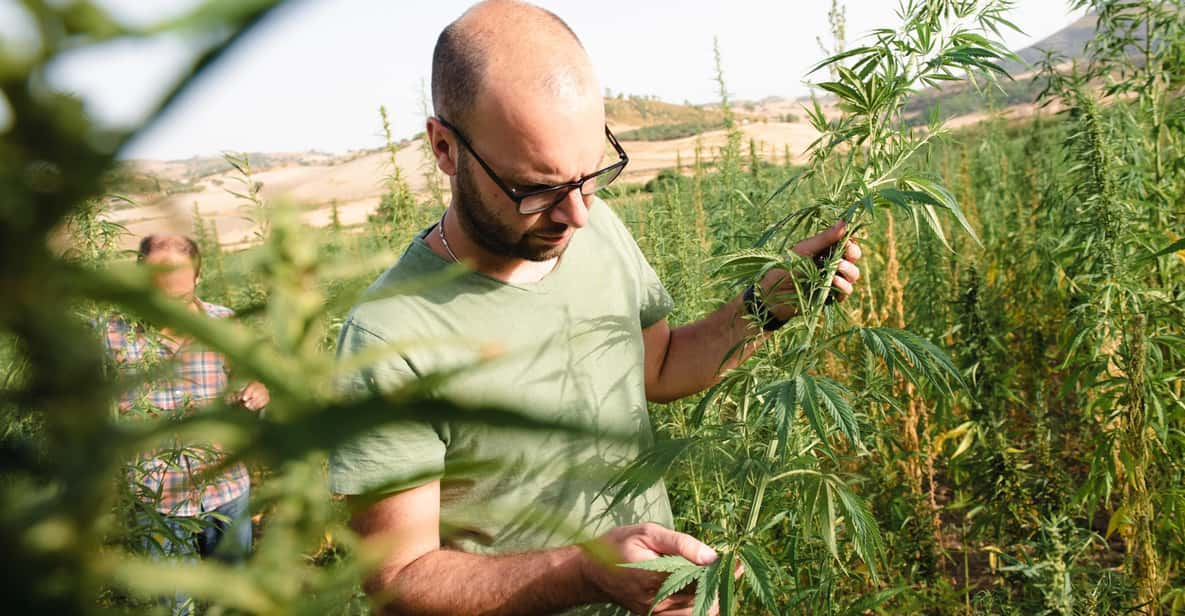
(757, 308)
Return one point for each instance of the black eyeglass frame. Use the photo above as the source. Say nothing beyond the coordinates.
(518, 196)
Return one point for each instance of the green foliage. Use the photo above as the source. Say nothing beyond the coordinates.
(1044, 257)
(398, 210)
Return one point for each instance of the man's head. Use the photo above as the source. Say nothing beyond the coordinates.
(177, 262)
(516, 81)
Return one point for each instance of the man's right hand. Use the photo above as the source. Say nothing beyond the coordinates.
(635, 589)
(419, 577)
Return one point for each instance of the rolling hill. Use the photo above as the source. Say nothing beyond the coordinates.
(654, 132)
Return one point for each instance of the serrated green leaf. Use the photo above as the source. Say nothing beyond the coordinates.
(759, 575)
(707, 586)
(675, 582)
(665, 564)
(646, 470)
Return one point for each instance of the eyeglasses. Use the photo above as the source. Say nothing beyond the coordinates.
(544, 198)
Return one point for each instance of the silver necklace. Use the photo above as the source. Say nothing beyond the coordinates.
(444, 240)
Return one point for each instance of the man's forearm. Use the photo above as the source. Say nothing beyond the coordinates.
(451, 582)
(699, 353)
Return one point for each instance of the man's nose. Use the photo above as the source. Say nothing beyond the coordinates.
(571, 211)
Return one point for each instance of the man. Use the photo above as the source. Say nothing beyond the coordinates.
(558, 285)
(174, 481)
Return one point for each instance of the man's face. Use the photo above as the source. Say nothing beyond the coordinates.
(173, 273)
(500, 229)
(528, 145)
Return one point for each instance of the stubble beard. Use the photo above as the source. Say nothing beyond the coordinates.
(482, 225)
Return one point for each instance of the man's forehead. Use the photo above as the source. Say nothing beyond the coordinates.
(544, 147)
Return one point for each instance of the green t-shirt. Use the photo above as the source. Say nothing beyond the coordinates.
(570, 347)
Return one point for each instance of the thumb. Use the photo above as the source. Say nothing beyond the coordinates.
(815, 244)
(666, 541)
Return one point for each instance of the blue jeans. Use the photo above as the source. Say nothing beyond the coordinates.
(186, 539)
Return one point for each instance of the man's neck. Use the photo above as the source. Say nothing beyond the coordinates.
(193, 305)
(507, 269)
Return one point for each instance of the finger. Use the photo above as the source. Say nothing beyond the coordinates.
(667, 541)
(815, 244)
(848, 270)
(675, 604)
(843, 286)
(853, 252)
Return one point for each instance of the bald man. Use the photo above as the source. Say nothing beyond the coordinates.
(482, 520)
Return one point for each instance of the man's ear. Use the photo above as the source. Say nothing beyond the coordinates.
(444, 146)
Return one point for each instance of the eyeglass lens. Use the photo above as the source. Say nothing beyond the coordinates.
(551, 198)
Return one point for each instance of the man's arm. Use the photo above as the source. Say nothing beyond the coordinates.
(253, 396)
(687, 360)
(418, 577)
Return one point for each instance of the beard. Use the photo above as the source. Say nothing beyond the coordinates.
(481, 223)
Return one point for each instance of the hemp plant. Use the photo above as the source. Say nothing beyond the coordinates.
(1124, 344)
(769, 435)
(397, 207)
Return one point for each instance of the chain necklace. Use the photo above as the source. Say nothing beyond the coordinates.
(443, 240)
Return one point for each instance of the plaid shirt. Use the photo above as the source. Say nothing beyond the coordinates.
(174, 478)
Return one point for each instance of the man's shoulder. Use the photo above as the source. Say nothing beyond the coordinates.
(387, 307)
(604, 222)
(602, 217)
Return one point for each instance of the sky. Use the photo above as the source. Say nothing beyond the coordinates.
(313, 76)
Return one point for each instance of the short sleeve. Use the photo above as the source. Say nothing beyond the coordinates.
(654, 302)
(396, 456)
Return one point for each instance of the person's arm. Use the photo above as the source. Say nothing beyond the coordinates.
(687, 360)
(253, 396)
(419, 577)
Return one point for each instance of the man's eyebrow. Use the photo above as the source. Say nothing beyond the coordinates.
(534, 181)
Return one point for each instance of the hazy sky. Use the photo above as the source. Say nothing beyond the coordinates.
(314, 75)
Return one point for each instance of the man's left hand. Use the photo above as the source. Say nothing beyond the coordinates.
(254, 396)
(846, 274)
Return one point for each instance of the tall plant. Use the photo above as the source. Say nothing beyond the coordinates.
(769, 434)
(1123, 349)
(397, 207)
